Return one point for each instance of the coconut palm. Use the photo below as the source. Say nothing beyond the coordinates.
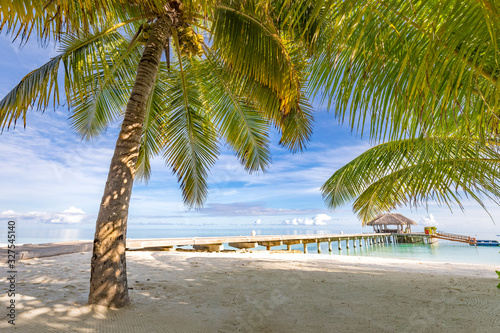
(248, 78)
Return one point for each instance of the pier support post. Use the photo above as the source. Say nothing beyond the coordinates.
(209, 247)
(289, 243)
(305, 247)
(319, 246)
(269, 244)
(354, 242)
(347, 243)
(330, 246)
(340, 245)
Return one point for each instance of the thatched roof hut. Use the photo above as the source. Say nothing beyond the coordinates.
(382, 223)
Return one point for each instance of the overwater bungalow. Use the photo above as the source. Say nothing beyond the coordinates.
(392, 223)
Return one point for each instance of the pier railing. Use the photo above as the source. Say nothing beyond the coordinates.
(141, 243)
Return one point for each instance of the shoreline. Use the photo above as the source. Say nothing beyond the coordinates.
(260, 292)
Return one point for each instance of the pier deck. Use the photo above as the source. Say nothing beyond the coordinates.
(247, 241)
(28, 251)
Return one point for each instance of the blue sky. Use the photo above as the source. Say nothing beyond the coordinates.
(50, 176)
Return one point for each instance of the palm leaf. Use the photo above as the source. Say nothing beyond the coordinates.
(237, 120)
(99, 94)
(401, 68)
(157, 119)
(40, 87)
(413, 171)
(51, 19)
(251, 44)
(190, 146)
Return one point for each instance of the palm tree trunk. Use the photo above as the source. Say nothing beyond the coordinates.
(108, 276)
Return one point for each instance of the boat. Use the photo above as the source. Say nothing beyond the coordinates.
(480, 242)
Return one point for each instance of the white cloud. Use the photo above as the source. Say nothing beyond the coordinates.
(319, 219)
(70, 215)
(247, 209)
(429, 220)
(8, 214)
(33, 215)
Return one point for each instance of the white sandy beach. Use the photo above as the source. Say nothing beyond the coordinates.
(259, 292)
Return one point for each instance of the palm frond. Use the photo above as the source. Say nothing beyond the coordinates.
(251, 44)
(99, 93)
(51, 19)
(401, 68)
(414, 171)
(190, 138)
(153, 136)
(82, 57)
(295, 127)
(37, 89)
(239, 123)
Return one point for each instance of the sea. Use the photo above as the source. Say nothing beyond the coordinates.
(444, 251)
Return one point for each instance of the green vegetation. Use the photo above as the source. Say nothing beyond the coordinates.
(423, 76)
(411, 171)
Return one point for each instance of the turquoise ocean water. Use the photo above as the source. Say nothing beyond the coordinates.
(445, 251)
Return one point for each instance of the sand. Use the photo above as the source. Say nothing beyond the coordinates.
(259, 292)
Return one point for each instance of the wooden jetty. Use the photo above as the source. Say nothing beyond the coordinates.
(248, 242)
(215, 244)
(29, 251)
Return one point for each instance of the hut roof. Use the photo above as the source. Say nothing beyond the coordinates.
(391, 219)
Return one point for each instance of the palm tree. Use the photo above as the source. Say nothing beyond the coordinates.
(422, 75)
(248, 78)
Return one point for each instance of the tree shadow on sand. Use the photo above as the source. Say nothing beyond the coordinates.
(175, 292)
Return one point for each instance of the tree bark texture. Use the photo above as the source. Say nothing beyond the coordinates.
(108, 277)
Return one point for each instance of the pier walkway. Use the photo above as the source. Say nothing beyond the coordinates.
(453, 237)
(246, 242)
(28, 251)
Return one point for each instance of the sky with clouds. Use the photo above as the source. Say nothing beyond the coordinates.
(49, 175)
